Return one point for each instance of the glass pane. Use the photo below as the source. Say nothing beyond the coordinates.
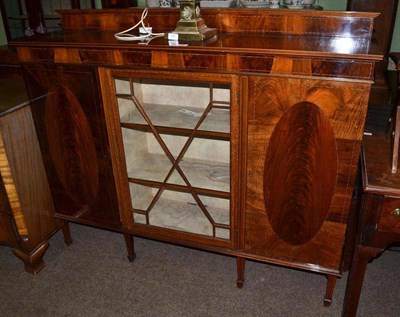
(217, 120)
(122, 85)
(163, 102)
(222, 233)
(179, 211)
(128, 112)
(218, 208)
(141, 196)
(144, 156)
(206, 164)
(139, 218)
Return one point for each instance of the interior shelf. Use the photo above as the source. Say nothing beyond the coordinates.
(200, 173)
(205, 162)
(181, 188)
(217, 120)
(178, 131)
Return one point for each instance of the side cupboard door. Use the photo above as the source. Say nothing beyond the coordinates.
(301, 145)
(70, 125)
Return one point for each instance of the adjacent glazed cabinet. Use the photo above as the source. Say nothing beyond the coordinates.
(245, 145)
(26, 208)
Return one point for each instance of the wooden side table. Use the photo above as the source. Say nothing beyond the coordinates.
(379, 218)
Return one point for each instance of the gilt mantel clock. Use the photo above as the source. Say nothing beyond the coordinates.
(191, 27)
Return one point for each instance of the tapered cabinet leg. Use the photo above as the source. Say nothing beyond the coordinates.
(34, 261)
(240, 272)
(67, 234)
(330, 287)
(362, 256)
(130, 246)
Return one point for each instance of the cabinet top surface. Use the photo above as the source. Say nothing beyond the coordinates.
(308, 33)
(258, 43)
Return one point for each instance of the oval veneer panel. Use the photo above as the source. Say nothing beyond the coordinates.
(300, 173)
(71, 145)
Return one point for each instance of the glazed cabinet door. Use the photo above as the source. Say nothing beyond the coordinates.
(301, 145)
(173, 139)
(70, 125)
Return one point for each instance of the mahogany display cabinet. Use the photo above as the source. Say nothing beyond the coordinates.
(246, 144)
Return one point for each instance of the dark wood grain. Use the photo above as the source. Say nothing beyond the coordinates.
(229, 20)
(196, 61)
(299, 181)
(344, 106)
(71, 145)
(248, 41)
(71, 130)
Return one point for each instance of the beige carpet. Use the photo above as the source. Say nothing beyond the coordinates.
(93, 277)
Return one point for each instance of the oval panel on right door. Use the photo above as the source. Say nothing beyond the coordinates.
(300, 173)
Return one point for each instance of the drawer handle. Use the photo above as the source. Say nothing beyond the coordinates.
(396, 212)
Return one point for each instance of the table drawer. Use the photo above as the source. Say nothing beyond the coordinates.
(389, 219)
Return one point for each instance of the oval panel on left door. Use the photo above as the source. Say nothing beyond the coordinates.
(71, 145)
